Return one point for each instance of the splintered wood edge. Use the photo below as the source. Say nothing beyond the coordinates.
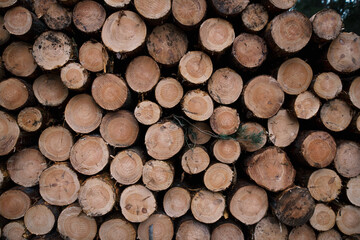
(168, 92)
(14, 204)
(323, 218)
(328, 85)
(49, 90)
(114, 228)
(336, 115)
(218, 177)
(39, 219)
(176, 202)
(74, 76)
(227, 231)
(225, 120)
(30, 119)
(348, 220)
(195, 160)
(283, 128)
(162, 227)
(324, 185)
(227, 151)
(127, 166)
(188, 13)
(347, 159)
(10, 132)
(13, 94)
(157, 175)
(207, 207)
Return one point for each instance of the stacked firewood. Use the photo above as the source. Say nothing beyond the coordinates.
(177, 119)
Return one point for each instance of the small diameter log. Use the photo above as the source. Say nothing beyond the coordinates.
(226, 151)
(49, 90)
(191, 229)
(252, 136)
(288, 32)
(324, 185)
(216, 35)
(57, 17)
(59, 185)
(93, 56)
(4, 34)
(117, 3)
(74, 224)
(336, 115)
(354, 92)
(348, 220)
(195, 67)
(227, 231)
(306, 105)
(15, 230)
(115, 32)
(225, 120)
(254, 17)
(110, 91)
(195, 160)
(229, 9)
(218, 177)
(88, 16)
(248, 204)
(31, 119)
(153, 10)
(270, 228)
(52, 50)
(347, 159)
(9, 132)
(147, 112)
(40, 219)
(323, 218)
(326, 24)
(263, 96)
(127, 166)
(327, 85)
(164, 140)
(353, 191)
(279, 5)
(117, 229)
(18, 59)
(14, 94)
(168, 92)
(82, 114)
(283, 128)
(156, 227)
(176, 202)
(89, 155)
(14, 203)
(142, 74)
(271, 169)
(188, 13)
(304, 232)
(329, 235)
(344, 52)
(26, 166)
(74, 76)
(157, 175)
(55, 143)
(137, 203)
(167, 44)
(197, 105)
(199, 133)
(119, 129)
(294, 76)
(207, 207)
(294, 206)
(249, 51)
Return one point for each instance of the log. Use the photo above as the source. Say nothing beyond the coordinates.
(324, 185)
(157, 226)
(15, 94)
(227, 231)
(137, 203)
(329, 235)
(188, 13)
(283, 128)
(225, 120)
(191, 229)
(115, 228)
(82, 114)
(18, 59)
(74, 76)
(115, 32)
(199, 133)
(207, 207)
(254, 17)
(49, 90)
(326, 24)
(26, 166)
(248, 203)
(168, 92)
(167, 44)
(252, 136)
(40, 7)
(353, 191)
(306, 105)
(195, 160)
(348, 220)
(229, 9)
(117, 3)
(197, 105)
(270, 228)
(4, 34)
(147, 112)
(157, 175)
(89, 155)
(59, 185)
(347, 159)
(336, 115)
(153, 10)
(119, 129)
(218, 177)
(294, 76)
(10, 132)
(225, 86)
(263, 96)
(14, 203)
(40, 218)
(354, 92)
(304, 232)
(279, 5)
(164, 140)
(74, 224)
(195, 67)
(327, 85)
(142, 74)
(57, 17)
(93, 55)
(55, 143)
(32, 119)
(323, 218)
(15, 230)
(89, 16)
(176, 202)
(226, 151)
(7, 3)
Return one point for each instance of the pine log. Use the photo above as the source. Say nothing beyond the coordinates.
(89, 155)
(195, 160)
(254, 17)
(188, 13)
(142, 74)
(40, 7)
(156, 227)
(207, 207)
(119, 129)
(14, 203)
(324, 185)
(279, 5)
(123, 32)
(18, 59)
(158, 175)
(168, 92)
(57, 17)
(304, 232)
(15, 94)
(327, 85)
(323, 218)
(336, 115)
(271, 168)
(224, 120)
(15, 230)
(93, 56)
(249, 132)
(49, 90)
(164, 140)
(199, 133)
(137, 203)
(197, 105)
(176, 202)
(353, 191)
(117, 229)
(218, 177)
(354, 92)
(40, 218)
(147, 112)
(226, 151)
(74, 224)
(229, 8)
(117, 3)
(55, 143)
(283, 128)
(191, 229)
(88, 16)
(270, 228)
(167, 44)
(348, 220)
(227, 231)
(155, 11)
(32, 119)
(195, 67)
(294, 76)
(74, 76)
(7, 3)
(306, 105)
(326, 24)
(4, 34)
(329, 235)
(9, 132)
(347, 159)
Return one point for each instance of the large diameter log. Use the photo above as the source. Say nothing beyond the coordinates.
(168, 92)
(195, 160)
(49, 90)
(304, 232)
(227, 231)
(231, 8)
(252, 136)
(254, 17)
(327, 85)
(74, 76)
(191, 229)
(270, 228)
(331, 234)
(10, 132)
(157, 175)
(326, 24)
(31, 119)
(57, 17)
(348, 220)
(207, 207)
(4, 34)
(324, 185)
(226, 151)
(153, 10)
(88, 16)
(197, 105)
(283, 128)
(224, 120)
(157, 226)
(117, 229)
(218, 177)
(14, 203)
(354, 92)
(353, 191)
(93, 56)
(195, 67)
(323, 218)
(306, 105)
(188, 13)
(40, 218)
(15, 230)
(115, 32)
(14, 94)
(347, 159)
(176, 202)
(271, 169)
(336, 115)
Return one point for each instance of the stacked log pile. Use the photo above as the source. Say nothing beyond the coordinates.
(177, 119)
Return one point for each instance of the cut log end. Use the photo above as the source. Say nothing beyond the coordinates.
(195, 160)
(30, 119)
(49, 90)
(18, 20)
(14, 230)
(323, 218)
(207, 207)
(270, 228)
(127, 166)
(93, 55)
(283, 128)
(190, 229)
(199, 133)
(225, 120)
(324, 185)
(354, 92)
(231, 8)
(327, 85)
(89, 16)
(157, 175)
(306, 105)
(304, 232)
(74, 76)
(147, 112)
(227, 151)
(347, 158)
(329, 235)
(14, 204)
(197, 105)
(153, 9)
(188, 13)
(10, 132)
(336, 115)
(57, 17)
(114, 228)
(227, 231)
(195, 67)
(218, 177)
(4, 34)
(14, 94)
(255, 17)
(257, 134)
(353, 191)
(117, 3)
(282, 4)
(348, 220)
(7, 3)
(326, 24)
(168, 92)
(161, 226)
(39, 219)
(176, 202)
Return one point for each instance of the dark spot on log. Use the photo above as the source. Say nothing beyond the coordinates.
(128, 206)
(144, 210)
